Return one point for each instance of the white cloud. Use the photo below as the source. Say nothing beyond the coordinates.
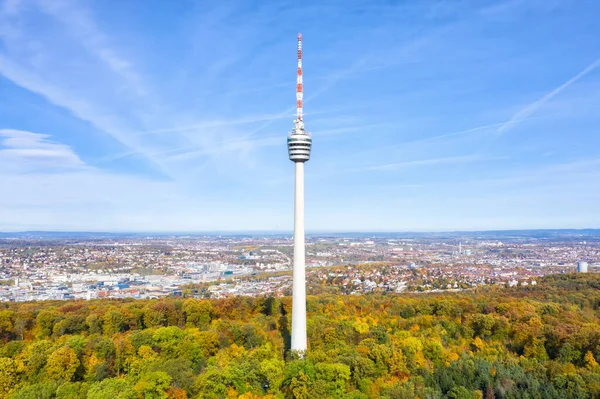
(45, 185)
(102, 85)
(92, 200)
(82, 27)
(101, 118)
(27, 151)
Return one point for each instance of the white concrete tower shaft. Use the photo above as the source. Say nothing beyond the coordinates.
(299, 283)
(299, 146)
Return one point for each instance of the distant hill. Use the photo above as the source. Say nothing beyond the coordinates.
(491, 234)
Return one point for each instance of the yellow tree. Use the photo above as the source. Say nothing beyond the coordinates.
(62, 364)
(590, 362)
(8, 377)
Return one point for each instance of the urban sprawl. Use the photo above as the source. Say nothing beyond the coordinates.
(46, 268)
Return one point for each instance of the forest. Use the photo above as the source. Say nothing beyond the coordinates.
(538, 341)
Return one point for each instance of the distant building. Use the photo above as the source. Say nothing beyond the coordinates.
(582, 267)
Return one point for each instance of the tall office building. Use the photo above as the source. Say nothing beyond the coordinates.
(299, 144)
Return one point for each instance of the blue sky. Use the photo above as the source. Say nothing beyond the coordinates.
(425, 115)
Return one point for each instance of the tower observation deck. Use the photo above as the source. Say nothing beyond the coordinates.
(299, 143)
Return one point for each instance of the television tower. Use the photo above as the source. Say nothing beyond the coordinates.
(299, 144)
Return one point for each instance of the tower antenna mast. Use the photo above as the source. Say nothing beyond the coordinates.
(299, 88)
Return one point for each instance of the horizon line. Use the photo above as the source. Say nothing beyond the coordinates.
(290, 232)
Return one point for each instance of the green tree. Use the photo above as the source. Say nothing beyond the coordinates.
(43, 390)
(197, 313)
(272, 370)
(180, 371)
(213, 382)
(94, 323)
(168, 340)
(111, 388)
(72, 390)
(45, 321)
(463, 393)
(72, 324)
(113, 322)
(153, 385)
(334, 376)
(6, 324)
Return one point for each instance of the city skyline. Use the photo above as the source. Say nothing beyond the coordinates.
(459, 116)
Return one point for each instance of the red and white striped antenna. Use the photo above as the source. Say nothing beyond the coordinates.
(299, 88)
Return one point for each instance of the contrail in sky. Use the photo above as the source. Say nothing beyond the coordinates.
(531, 108)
